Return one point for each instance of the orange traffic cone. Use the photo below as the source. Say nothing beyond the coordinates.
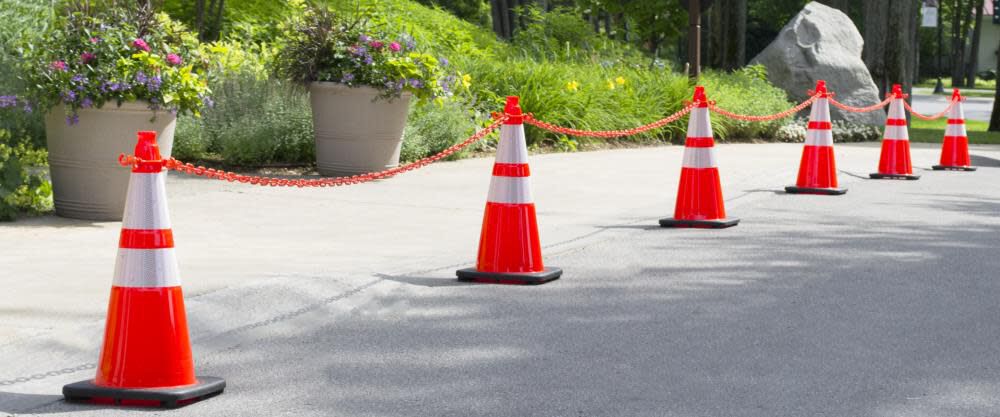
(818, 169)
(895, 160)
(955, 149)
(146, 359)
(699, 197)
(509, 249)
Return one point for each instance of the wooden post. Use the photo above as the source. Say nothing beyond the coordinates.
(694, 38)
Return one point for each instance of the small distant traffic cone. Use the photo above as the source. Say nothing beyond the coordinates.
(895, 159)
(146, 359)
(509, 249)
(955, 149)
(699, 196)
(818, 169)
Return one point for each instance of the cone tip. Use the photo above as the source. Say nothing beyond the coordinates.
(699, 96)
(821, 87)
(956, 94)
(513, 110)
(147, 148)
(897, 90)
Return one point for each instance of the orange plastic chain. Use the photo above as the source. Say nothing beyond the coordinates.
(933, 117)
(530, 119)
(765, 118)
(852, 109)
(176, 165)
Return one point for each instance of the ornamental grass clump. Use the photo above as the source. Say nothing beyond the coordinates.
(115, 53)
(321, 45)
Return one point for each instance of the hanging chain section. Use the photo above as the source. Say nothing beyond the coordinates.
(608, 134)
(186, 168)
(853, 109)
(951, 104)
(764, 118)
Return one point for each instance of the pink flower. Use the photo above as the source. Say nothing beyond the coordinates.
(58, 65)
(173, 59)
(95, 40)
(395, 47)
(140, 44)
(86, 57)
(376, 44)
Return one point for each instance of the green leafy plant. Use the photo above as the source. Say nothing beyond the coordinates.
(321, 45)
(111, 52)
(23, 189)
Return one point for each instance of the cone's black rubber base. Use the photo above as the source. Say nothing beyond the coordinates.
(951, 168)
(700, 224)
(791, 189)
(880, 176)
(166, 397)
(515, 278)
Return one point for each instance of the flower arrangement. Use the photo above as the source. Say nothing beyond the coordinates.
(322, 46)
(93, 56)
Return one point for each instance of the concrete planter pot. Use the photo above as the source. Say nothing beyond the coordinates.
(355, 133)
(87, 181)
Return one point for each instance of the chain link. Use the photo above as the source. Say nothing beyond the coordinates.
(853, 109)
(764, 118)
(530, 119)
(932, 117)
(176, 165)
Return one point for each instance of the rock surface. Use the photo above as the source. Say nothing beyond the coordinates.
(822, 43)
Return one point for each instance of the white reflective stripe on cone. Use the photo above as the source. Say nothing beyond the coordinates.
(699, 124)
(510, 190)
(820, 111)
(512, 148)
(896, 133)
(819, 137)
(896, 110)
(957, 112)
(146, 204)
(955, 130)
(148, 268)
(699, 158)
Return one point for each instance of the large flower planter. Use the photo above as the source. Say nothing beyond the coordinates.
(87, 181)
(355, 133)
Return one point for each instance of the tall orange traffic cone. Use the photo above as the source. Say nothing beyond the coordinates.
(699, 196)
(509, 249)
(895, 159)
(818, 169)
(146, 359)
(955, 148)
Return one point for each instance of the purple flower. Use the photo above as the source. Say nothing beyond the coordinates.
(154, 83)
(72, 119)
(360, 51)
(443, 61)
(86, 57)
(27, 107)
(87, 103)
(8, 101)
(69, 96)
(140, 44)
(347, 78)
(208, 102)
(415, 83)
(140, 77)
(369, 60)
(395, 47)
(174, 60)
(364, 39)
(410, 45)
(79, 79)
(58, 65)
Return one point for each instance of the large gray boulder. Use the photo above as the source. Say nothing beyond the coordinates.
(821, 43)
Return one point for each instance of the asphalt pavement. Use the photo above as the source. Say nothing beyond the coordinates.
(343, 302)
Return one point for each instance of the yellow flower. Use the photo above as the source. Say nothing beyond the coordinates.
(466, 80)
(620, 81)
(611, 84)
(572, 86)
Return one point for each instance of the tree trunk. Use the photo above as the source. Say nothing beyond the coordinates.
(732, 42)
(875, 37)
(958, 36)
(995, 116)
(199, 24)
(970, 72)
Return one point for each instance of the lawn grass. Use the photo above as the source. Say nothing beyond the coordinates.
(933, 131)
(980, 83)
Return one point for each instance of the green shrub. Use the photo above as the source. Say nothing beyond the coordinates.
(745, 91)
(431, 129)
(23, 189)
